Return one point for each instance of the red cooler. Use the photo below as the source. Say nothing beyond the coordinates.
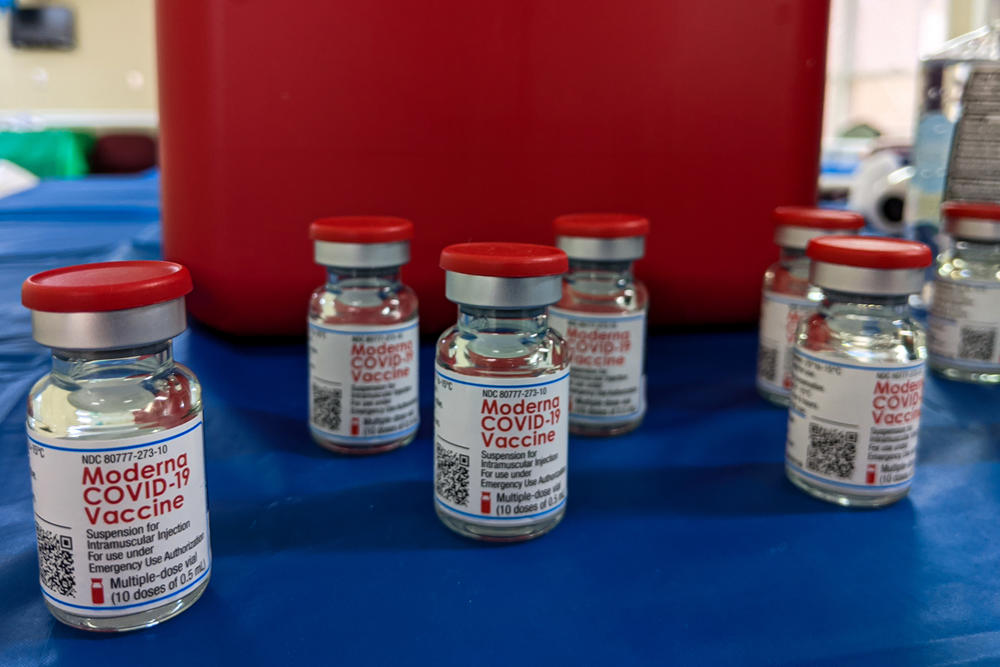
(483, 121)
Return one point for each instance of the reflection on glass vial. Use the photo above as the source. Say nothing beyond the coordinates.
(363, 337)
(501, 394)
(602, 316)
(942, 81)
(115, 447)
(787, 297)
(858, 373)
(964, 322)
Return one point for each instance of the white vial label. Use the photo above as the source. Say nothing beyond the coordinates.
(363, 381)
(854, 426)
(122, 525)
(779, 319)
(964, 324)
(500, 446)
(607, 383)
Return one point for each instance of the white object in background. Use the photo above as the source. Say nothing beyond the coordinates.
(15, 179)
(878, 191)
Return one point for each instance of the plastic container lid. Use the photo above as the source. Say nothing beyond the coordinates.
(361, 229)
(869, 252)
(504, 260)
(107, 286)
(601, 225)
(817, 218)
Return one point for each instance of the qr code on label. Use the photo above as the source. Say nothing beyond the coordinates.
(55, 561)
(831, 451)
(767, 363)
(451, 478)
(977, 344)
(326, 407)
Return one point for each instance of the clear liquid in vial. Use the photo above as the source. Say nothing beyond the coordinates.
(371, 297)
(875, 331)
(102, 397)
(602, 288)
(512, 344)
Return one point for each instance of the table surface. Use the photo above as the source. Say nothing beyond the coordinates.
(683, 541)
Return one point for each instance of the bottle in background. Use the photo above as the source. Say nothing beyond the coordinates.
(602, 315)
(363, 332)
(940, 104)
(787, 297)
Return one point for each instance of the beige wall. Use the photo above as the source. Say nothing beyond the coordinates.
(108, 79)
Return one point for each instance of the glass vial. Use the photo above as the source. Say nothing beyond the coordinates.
(941, 87)
(858, 373)
(602, 316)
(787, 297)
(115, 447)
(964, 322)
(363, 337)
(501, 393)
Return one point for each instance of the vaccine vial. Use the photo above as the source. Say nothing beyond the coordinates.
(788, 297)
(964, 322)
(602, 316)
(501, 393)
(363, 337)
(115, 447)
(858, 373)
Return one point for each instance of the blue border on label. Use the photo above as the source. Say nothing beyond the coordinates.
(869, 487)
(767, 385)
(862, 367)
(128, 606)
(789, 300)
(499, 518)
(366, 438)
(565, 376)
(598, 418)
(117, 449)
(571, 315)
(344, 332)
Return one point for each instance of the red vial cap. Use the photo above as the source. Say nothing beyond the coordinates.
(361, 229)
(504, 260)
(601, 225)
(971, 209)
(869, 252)
(816, 218)
(94, 288)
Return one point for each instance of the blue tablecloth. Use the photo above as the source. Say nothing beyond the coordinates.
(683, 542)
